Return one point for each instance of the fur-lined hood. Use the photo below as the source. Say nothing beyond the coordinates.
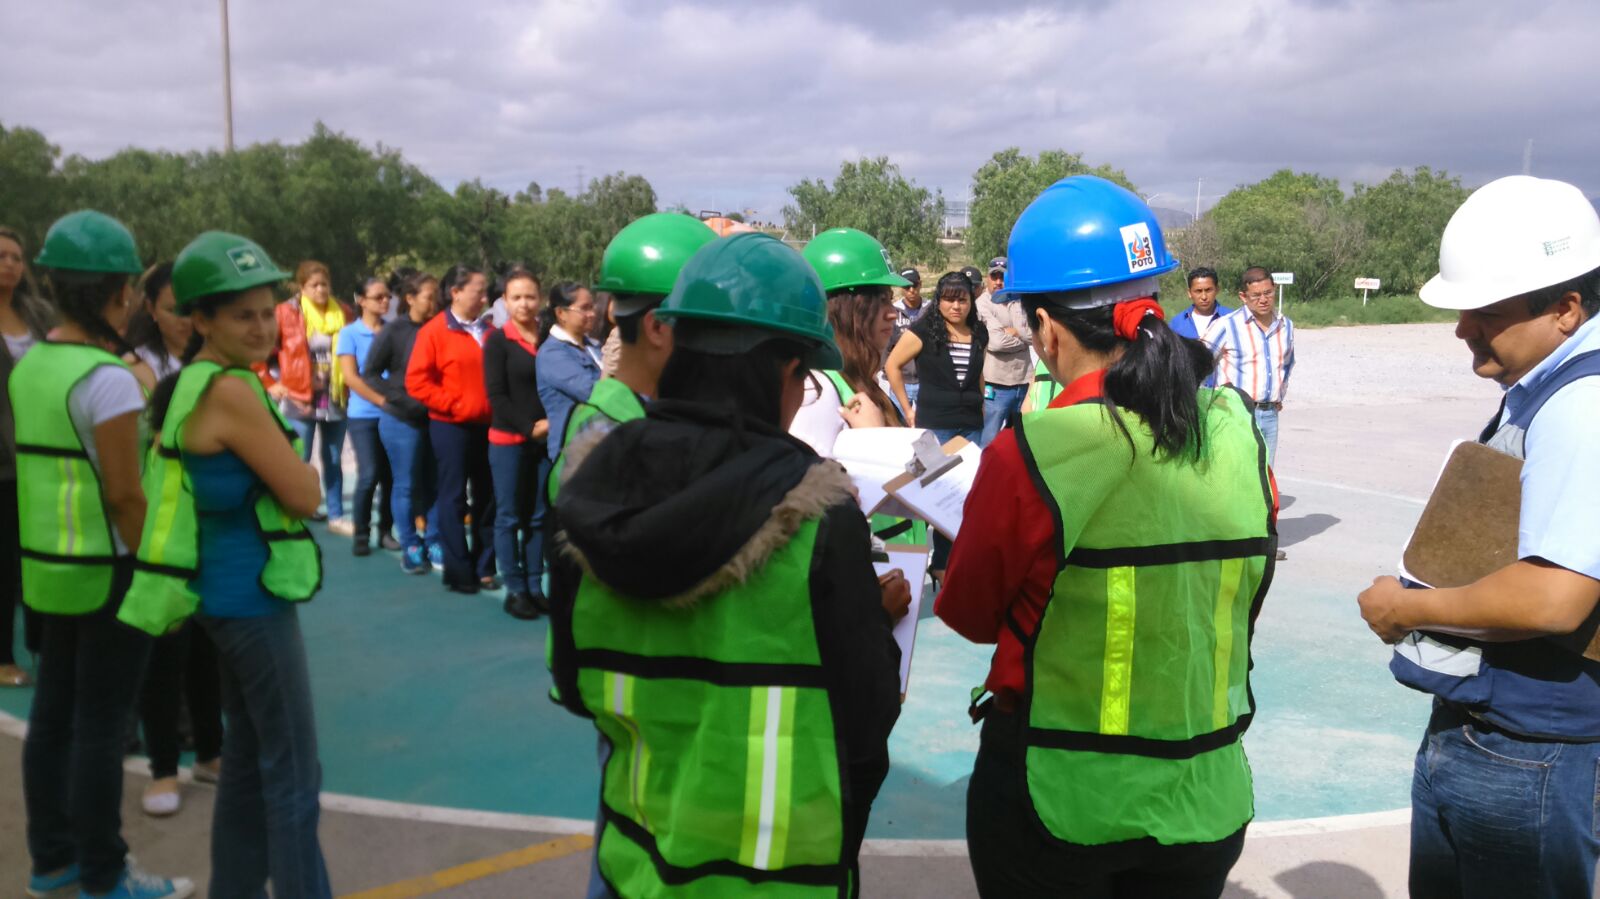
(689, 501)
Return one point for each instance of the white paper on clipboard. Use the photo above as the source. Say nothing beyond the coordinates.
(913, 563)
(873, 457)
(941, 501)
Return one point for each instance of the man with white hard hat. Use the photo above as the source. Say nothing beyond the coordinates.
(1504, 792)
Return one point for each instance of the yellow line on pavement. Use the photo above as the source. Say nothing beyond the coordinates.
(488, 867)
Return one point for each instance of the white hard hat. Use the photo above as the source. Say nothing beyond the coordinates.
(1512, 236)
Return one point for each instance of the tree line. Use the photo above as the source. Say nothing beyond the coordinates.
(365, 210)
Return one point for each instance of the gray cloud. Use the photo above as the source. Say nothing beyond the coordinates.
(723, 104)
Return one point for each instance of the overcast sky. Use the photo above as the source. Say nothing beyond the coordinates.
(724, 103)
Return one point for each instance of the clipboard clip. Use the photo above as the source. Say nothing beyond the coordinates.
(929, 460)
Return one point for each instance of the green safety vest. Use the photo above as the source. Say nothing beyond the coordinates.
(160, 598)
(890, 528)
(1138, 675)
(724, 777)
(68, 551)
(1044, 389)
(610, 398)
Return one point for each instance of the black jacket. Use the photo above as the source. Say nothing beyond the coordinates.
(942, 401)
(385, 370)
(663, 507)
(512, 382)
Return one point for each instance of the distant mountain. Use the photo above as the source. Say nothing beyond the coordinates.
(1172, 219)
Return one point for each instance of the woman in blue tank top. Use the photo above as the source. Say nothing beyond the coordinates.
(265, 823)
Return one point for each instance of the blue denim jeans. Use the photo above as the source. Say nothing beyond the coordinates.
(332, 466)
(519, 472)
(1494, 815)
(1267, 424)
(264, 826)
(997, 409)
(911, 394)
(372, 472)
(461, 457)
(410, 459)
(942, 544)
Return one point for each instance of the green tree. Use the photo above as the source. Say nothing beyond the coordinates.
(1009, 181)
(873, 196)
(29, 183)
(1290, 222)
(1404, 216)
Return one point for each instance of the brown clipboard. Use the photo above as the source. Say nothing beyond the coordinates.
(1469, 529)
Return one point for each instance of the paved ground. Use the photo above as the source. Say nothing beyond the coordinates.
(1370, 414)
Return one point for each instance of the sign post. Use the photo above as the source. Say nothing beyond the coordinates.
(1280, 279)
(1366, 284)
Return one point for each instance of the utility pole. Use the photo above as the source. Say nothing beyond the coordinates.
(1197, 183)
(580, 182)
(227, 85)
(1527, 158)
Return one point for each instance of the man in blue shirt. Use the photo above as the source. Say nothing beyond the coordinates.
(1505, 785)
(1203, 306)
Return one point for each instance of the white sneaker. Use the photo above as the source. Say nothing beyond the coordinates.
(161, 798)
(342, 526)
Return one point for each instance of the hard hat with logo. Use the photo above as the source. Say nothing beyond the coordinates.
(1512, 236)
(742, 290)
(90, 241)
(1085, 233)
(646, 256)
(219, 262)
(845, 257)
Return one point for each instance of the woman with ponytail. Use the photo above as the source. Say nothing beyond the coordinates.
(1116, 550)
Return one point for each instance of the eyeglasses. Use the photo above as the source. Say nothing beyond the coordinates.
(1258, 297)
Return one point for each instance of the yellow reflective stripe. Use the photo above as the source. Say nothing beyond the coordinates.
(1222, 621)
(782, 799)
(1117, 682)
(65, 513)
(619, 688)
(754, 770)
(167, 513)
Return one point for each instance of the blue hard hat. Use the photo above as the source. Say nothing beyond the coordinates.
(1083, 232)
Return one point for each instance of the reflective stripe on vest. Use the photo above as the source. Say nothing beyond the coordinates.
(724, 768)
(610, 399)
(65, 538)
(1138, 673)
(160, 598)
(1044, 389)
(1529, 687)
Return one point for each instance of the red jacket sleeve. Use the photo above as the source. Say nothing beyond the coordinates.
(424, 380)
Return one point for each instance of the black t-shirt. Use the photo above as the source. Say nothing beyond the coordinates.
(943, 400)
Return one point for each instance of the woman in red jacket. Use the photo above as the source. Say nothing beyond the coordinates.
(307, 386)
(446, 375)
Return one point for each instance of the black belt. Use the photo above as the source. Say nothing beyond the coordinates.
(1275, 407)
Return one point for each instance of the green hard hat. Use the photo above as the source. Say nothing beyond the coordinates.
(218, 262)
(646, 256)
(758, 288)
(845, 257)
(90, 241)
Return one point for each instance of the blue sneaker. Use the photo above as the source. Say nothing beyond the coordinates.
(436, 554)
(412, 561)
(136, 884)
(41, 886)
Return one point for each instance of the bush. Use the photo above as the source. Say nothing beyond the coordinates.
(1380, 310)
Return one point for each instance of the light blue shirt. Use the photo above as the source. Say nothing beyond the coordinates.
(1560, 520)
(356, 340)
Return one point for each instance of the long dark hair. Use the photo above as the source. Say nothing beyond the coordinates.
(954, 285)
(855, 314)
(750, 383)
(457, 275)
(1158, 376)
(561, 296)
(161, 396)
(142, 328)
(81, 297)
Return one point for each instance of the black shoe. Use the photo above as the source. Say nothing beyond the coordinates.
(523, 607)
(361, 549)
(467, 589)
(389, 543)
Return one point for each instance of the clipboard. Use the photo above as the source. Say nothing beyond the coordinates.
(913, 561)
(1469, 529)
(938, 494)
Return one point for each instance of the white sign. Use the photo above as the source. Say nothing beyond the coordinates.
(1368, 283)
(1283, 277)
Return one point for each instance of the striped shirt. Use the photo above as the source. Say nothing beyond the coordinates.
(1254, 359)
(961, 358)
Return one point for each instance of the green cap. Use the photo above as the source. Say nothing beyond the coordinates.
(218, 262)
(754, 287)
(845, 257)
(89, 241)
(646, 256)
